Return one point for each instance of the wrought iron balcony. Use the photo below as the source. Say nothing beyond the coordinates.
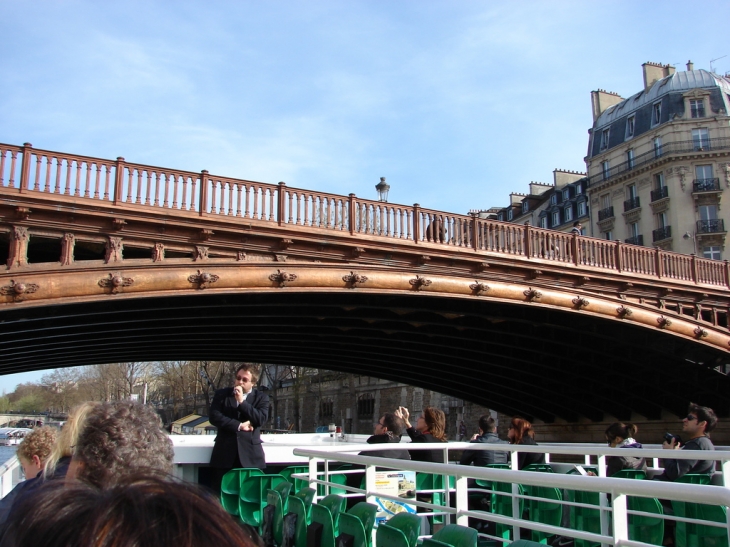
(706, 185)
(714, 226)
(632, 203)
(603, 214)
(660, 193)
(652, 154)
(636, 240)
(662, 233)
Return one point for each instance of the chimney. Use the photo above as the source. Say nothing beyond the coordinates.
(601, 100)
(654, 72)
(690, 66)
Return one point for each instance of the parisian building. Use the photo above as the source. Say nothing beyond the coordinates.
(658, 162)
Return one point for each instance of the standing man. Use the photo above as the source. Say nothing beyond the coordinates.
(696, 427)
(462, 431)
(238, 412)
(577, 228)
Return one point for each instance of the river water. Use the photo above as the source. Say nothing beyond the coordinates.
(6, 452)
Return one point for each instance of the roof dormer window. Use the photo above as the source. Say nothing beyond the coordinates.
(630, 125)
(604, 139)
(656, 113)
(697, 108)
(525, 206)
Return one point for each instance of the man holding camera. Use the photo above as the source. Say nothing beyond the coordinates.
(696, 427)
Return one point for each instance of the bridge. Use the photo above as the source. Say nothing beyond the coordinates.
(112, 261)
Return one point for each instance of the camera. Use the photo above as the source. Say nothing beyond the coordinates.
(669, 436)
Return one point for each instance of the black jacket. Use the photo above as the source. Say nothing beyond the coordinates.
(233, 448)
(485, 457)
(383, 439)
(524, 459)
(435, 456)
(674, 469)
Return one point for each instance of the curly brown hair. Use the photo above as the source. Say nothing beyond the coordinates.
(38, 442)
(119, 439)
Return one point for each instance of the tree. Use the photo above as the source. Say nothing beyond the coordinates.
(30, 403)
(61, 386)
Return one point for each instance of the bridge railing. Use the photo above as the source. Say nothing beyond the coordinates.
(26, 169)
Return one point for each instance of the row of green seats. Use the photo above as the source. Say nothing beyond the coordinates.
(402, 530)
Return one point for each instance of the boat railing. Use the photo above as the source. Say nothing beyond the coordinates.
(9, 475)
(613, 493)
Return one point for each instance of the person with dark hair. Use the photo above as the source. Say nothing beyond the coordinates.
(238, 412)
(118, 439)
(430, 428)
(136, 511)
(388, 429)
(620, 435)
(696, 428)
(577, 228)
(521, 432)
(487, 434)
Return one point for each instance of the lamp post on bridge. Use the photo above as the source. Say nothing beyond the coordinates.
(382, 187)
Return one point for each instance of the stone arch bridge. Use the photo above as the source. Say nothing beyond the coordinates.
(113, 261)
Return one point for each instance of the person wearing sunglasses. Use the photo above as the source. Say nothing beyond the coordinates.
(696, 427)
(388, 429)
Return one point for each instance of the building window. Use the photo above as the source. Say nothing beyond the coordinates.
(656, 114)
(697, 108)
(712, 252)
(500, 216)
(606, 170)
(509, 214)
(657, 147)
(581, 209)
(417, 401)
(630, 124)
(326, 407)
(366, 405)
(605, 201)
(578, 189)
(630, 158)
(608, 235)
(554, 199)
(700, 139)
(568, 214)
(660, 188)
(659, 181)
(543, 222)
(556, 218)
(566, 194)
(604, 139)
(525, 206)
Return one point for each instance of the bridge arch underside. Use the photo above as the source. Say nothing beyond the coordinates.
(526, 359)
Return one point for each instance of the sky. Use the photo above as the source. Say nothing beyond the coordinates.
(456, 103)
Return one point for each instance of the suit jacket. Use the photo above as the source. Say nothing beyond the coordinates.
(233, 448)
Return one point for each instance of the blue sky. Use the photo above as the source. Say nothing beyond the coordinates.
(456, 103)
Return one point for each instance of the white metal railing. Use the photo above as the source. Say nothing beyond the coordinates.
(9, 475)
(613, 492)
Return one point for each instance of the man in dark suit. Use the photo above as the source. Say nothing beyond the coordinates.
(238, 412)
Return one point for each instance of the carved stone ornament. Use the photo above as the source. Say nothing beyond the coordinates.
(419, 282)
(357, 252)
(423, 259)
(582, 280)
(115, 281)
(203, 279)
(532, 294)
(700, 332)
(623, 312)
(663, 322)
(114, 249)
(201, 253)
(285, 244)
(282, 277)
(483, 266)
(477, 287)
(534, 274)
(158, 252)
(118, 223)
(18, 290)
(580, 302)
(22, 213)
(353, 279)
(206, 234)
(241, 256)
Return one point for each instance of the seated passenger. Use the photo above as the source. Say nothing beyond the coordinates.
(487, 434)
(620, 435)
(136, 511)
(60, 457)
(521, 432)
(430, 428)
(32, 454)
(696, 427)
(388, 429)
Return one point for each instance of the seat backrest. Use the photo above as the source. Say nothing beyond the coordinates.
(287, 472)
(695, 478)
(457, 536)
(391, 537)
(408, 523)
(352, 526)
(307, 496)
(430, 542)
(296, 505)
(321, 515)
(273, 498)
(541, 467)
(365, 513)
(335, 505)
(630, 474)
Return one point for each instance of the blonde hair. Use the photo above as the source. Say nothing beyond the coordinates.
(66, 441)
(38, 442)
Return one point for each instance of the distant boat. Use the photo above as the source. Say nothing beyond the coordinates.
(11, 436)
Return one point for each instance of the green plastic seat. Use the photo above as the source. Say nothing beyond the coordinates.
(684, 533)
(502, 505)
(287, 473)
(358, 522)
(456, 536)
(430, 542)
(646, 529)
(338, 478)
(278, 498)
(231, 487)
(427, 481)
(583, 518)
(543, 510)
(638, 474)
(710, 536)
(541, 467)
(296, 506)
(327, 513)
(253, 497)
(307, 496)
(400, 530)
(524, 543)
